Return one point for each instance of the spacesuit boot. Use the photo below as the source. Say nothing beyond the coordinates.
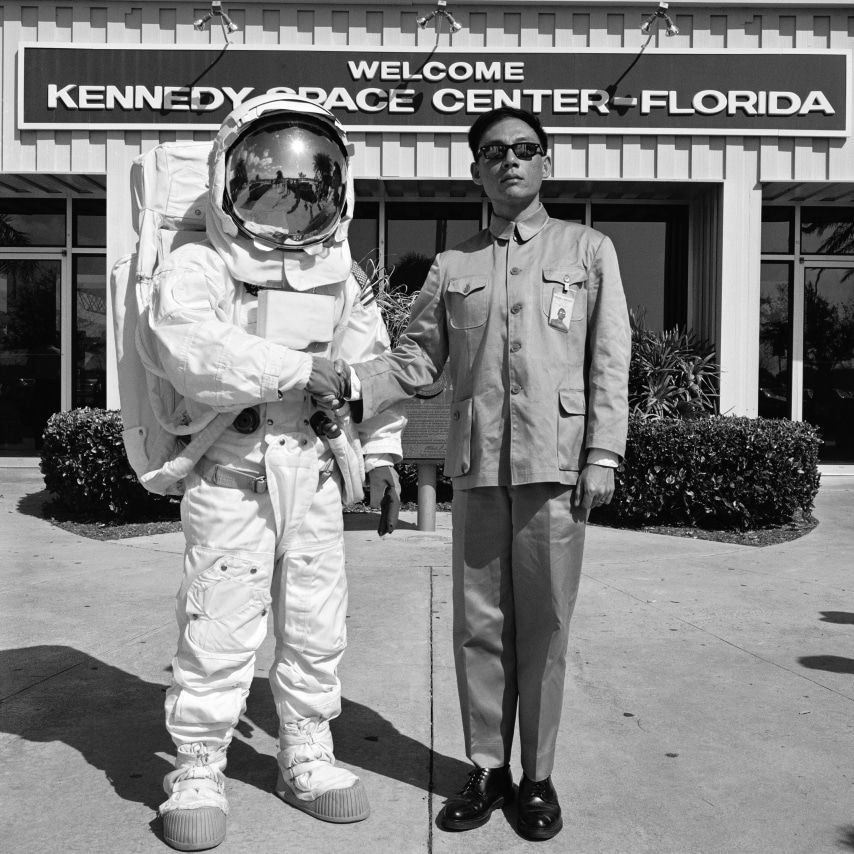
(310, 780)
(194, 817)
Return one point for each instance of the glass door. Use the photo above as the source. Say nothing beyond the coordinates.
(828, 357)
(30, 356)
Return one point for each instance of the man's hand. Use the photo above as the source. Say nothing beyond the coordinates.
(595, 486)
(385, 494)
(324, 384)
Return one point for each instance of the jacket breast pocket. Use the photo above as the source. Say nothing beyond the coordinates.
(458, 452)
(467, 301)
(571, 424)
(570, 282)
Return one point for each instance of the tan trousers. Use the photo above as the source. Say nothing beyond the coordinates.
(517, 555)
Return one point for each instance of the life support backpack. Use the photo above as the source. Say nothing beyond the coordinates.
(169, 187)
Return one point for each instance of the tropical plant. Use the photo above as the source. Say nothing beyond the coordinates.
(394, 300)
(672, 373)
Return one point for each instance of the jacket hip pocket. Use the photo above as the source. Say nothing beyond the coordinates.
(571, 425)
(458, 452)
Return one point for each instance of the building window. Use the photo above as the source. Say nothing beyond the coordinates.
(806, 334)
(88, 223)
(775, 339)
(827, 231)
(364, 235)
(828, 359)
(53, 313)
(416, 231)
(652, 248)
(32, 223)
(778, 230)
(30, 362)
(89, 282)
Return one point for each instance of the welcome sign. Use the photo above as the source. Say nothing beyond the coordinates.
(179, 87)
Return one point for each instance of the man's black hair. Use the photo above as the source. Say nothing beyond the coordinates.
(485, 121)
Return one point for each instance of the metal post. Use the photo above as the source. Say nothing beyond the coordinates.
(427, 496)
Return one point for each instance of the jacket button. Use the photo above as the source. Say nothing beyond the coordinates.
(515, 347)
(466, 288)
(456, 416)
(514, 271)
(515, 389)
(516, 308)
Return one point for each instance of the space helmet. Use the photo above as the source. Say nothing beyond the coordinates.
(285, 172)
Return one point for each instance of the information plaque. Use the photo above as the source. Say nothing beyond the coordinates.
(426, 431)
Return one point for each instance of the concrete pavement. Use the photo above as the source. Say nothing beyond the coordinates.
(709, 703)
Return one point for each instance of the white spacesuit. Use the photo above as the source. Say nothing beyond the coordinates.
(242, 323)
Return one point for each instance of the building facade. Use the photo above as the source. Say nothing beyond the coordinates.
(718, 158)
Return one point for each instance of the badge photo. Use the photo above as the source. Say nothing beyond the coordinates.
(560, 310)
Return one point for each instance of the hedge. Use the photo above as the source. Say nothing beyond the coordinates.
(720, 472)
(723, 473)
(84, 465)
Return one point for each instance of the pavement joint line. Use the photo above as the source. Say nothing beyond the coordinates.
(718, 637)
(430, 782)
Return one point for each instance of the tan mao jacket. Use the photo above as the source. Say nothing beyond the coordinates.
(529, 396)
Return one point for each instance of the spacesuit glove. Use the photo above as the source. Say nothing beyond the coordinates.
(343, 371)
(385, 494)
(324, 383)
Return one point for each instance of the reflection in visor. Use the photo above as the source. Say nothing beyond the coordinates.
(286, 182)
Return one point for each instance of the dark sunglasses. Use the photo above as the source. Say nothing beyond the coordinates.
(522, 150)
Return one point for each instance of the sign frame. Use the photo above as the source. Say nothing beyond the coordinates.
(499, 53)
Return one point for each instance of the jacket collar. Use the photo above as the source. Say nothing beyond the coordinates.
(525, 228)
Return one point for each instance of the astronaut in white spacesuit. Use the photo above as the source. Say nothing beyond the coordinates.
(247, 322)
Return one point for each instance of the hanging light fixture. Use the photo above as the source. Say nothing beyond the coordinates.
(660, 14)
(444, 13)
(228, 26)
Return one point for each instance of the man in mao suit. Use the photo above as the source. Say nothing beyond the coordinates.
(538, 425)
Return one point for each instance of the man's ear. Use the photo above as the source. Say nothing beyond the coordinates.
(547, 167)
(475, 175)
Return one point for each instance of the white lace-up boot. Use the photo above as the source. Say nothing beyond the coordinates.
(309, 779)
(195, 814)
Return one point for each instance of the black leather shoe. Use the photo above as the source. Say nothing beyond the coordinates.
(486, 790)
(539, 811)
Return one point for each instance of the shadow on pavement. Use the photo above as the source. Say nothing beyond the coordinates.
(830, 663)
(369, 522)
(847, 838)
(115, 721)
(33, 504)
(363, 739)
(840, 617)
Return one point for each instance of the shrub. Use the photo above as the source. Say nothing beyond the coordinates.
(672, 374)
(84, 464)
(408, 473)
(725, 473)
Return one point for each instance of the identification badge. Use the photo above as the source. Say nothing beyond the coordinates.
(560, 310)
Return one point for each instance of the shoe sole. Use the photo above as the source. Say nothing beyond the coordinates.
(338, 806)
(194, 830)
(537, 834)
(472, 823)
